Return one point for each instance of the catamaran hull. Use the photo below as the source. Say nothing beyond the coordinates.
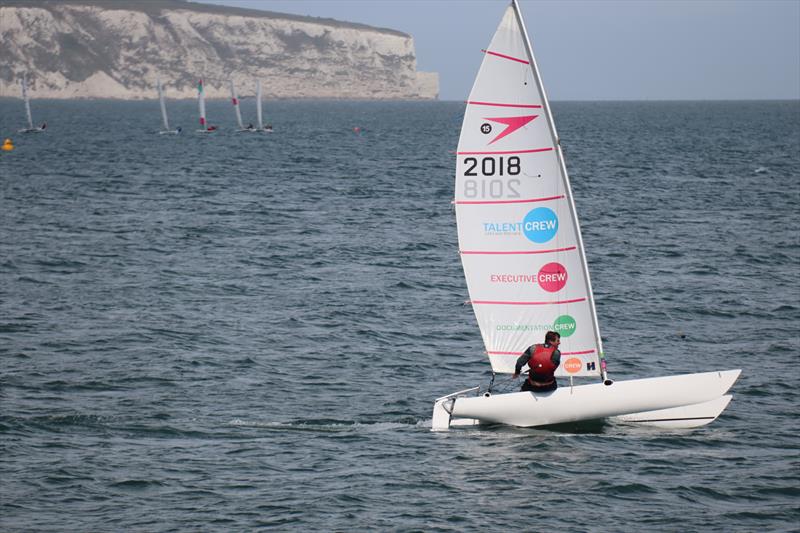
(636, 399)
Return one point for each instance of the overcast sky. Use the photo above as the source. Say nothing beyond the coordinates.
(597, 49)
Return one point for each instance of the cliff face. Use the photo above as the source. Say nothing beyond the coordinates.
(106, 49)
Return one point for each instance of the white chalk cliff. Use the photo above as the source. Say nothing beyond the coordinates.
(115, 49)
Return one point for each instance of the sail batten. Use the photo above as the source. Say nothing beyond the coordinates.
(519, 237)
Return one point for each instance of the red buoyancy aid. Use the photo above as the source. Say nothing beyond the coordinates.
(541, 364)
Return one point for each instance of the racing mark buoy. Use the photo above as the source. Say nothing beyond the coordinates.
(7, 145)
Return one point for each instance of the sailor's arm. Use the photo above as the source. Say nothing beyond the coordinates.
(522, 360)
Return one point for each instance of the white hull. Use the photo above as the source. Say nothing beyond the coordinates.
(170, 132)
(661, 401)
(31, 130)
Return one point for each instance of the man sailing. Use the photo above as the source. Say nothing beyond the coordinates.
(542, 361)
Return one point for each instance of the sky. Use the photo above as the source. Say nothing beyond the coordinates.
(598, 49)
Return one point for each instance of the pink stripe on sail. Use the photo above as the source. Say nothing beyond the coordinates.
(479, 202)
(505, 56)
(557, 302)
(474, 252)
(506, 152)
(526, 106)
(562, 353)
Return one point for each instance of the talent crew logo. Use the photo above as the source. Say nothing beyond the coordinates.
(539, 225)
(551, 277)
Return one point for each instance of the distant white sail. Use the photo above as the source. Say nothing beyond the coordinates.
(25, 97)
(163, 105)
(201, 104)
(258, 105)
(235, 101)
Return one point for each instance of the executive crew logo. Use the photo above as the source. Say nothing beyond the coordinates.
(551, 277)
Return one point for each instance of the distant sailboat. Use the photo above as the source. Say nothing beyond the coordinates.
(235, 101)
(166, 130)
(30, 128)
(261, 127)
(201, 103)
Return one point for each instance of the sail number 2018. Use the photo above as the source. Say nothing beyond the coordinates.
(490, 166)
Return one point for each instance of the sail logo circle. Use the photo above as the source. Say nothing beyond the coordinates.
(565, 326)
(552, 277)
(573, 365)
(540, 225)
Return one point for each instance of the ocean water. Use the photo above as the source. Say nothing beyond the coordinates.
(232, 332)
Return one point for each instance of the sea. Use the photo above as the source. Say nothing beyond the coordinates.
(242, 332)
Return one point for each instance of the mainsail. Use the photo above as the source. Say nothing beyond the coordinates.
(27, 100)
(258, 105)
(518, 231)
(235, 101)
(163, 104)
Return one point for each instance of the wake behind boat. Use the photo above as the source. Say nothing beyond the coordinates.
(26, 99)
(524, 262)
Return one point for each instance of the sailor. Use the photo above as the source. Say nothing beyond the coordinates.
(542, 361)
(250, 127)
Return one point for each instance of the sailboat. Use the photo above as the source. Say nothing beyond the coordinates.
(164, 120)
(201, 104)
(260, 127)
(525, 266)
(235, 101)
(26, 98)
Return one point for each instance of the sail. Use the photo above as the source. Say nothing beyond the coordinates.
(201, 103)
(518, 231)
(27, 100)
(235, 101)
(163, 105)
(258, 105)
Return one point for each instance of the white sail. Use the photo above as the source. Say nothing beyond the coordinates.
(201, 104)
(26, 98)
(518, 231)
(163, 105)
(258, 105)
(235, 101)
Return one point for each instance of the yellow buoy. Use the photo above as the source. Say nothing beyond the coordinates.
(7, 145)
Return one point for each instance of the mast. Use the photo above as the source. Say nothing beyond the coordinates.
(568, 191)
(258, 105)
(235, 101)
(163, 104)
(25, 97)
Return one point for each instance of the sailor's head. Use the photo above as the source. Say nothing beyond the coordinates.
(551, 337)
